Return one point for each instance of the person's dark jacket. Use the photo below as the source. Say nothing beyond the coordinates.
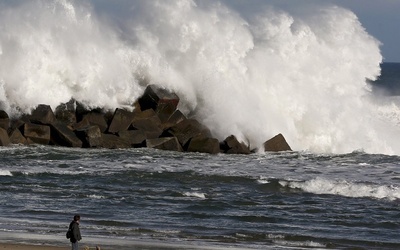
(76, 232)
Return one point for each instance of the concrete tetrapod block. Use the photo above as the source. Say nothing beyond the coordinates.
(4, 120)
(204, 145)
(165, 143)
(149, 122)
(43, 114)
(188, 129)
(4, 139)
(276, 144)
(36, 133)
(95, 118)
(112, 141)
(66, 113)
(16, 137)
(159, 99)
(90, 136)
(135, 137)
(121, 120)
(148, 114)
(165, 110)
(232, 146)
(63, 136)
(174, 119)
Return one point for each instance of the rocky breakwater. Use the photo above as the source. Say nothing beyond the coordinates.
(155, 122)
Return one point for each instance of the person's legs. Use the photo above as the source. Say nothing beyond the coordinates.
(75, 245)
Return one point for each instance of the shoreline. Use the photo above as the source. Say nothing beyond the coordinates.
(104, 245)
(29, 241)
(20, 246)
(137, 246)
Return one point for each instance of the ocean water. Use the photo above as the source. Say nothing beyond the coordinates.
(149, 199)
(310, 72)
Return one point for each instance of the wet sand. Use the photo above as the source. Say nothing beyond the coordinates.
(17, 246)
(9, 246)
(140, 246)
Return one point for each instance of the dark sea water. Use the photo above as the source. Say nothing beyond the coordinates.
(389, 81)
(148, 199)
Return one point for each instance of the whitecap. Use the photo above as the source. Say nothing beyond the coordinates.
(306, 244)
(263, 180)
(5, 173)
(345, 188)
(275, 236)
(95, 196)
(195, 194)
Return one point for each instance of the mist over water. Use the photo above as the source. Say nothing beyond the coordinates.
(251, 74)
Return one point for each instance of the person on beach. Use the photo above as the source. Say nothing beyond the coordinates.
(76, 233)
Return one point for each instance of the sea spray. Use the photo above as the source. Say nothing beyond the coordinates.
(53, 51)
(303, 75)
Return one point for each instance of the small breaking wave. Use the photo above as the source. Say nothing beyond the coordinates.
(195, 195)
(306, 244)
(95, 196)
(5, 173)
(345, 188)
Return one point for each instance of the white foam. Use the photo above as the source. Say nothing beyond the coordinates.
(307, 244)
(299, 74)
(5, 172)
(263, 180)
(195, 195)
(95, 196)
(345, 188)
(275, 236)
(57, 50)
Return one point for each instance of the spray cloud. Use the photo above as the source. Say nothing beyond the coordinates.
(303, 75)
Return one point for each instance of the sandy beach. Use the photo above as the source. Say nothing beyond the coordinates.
(9, 246)
(137, 246)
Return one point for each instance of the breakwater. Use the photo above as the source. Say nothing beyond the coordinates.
(154, 121)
